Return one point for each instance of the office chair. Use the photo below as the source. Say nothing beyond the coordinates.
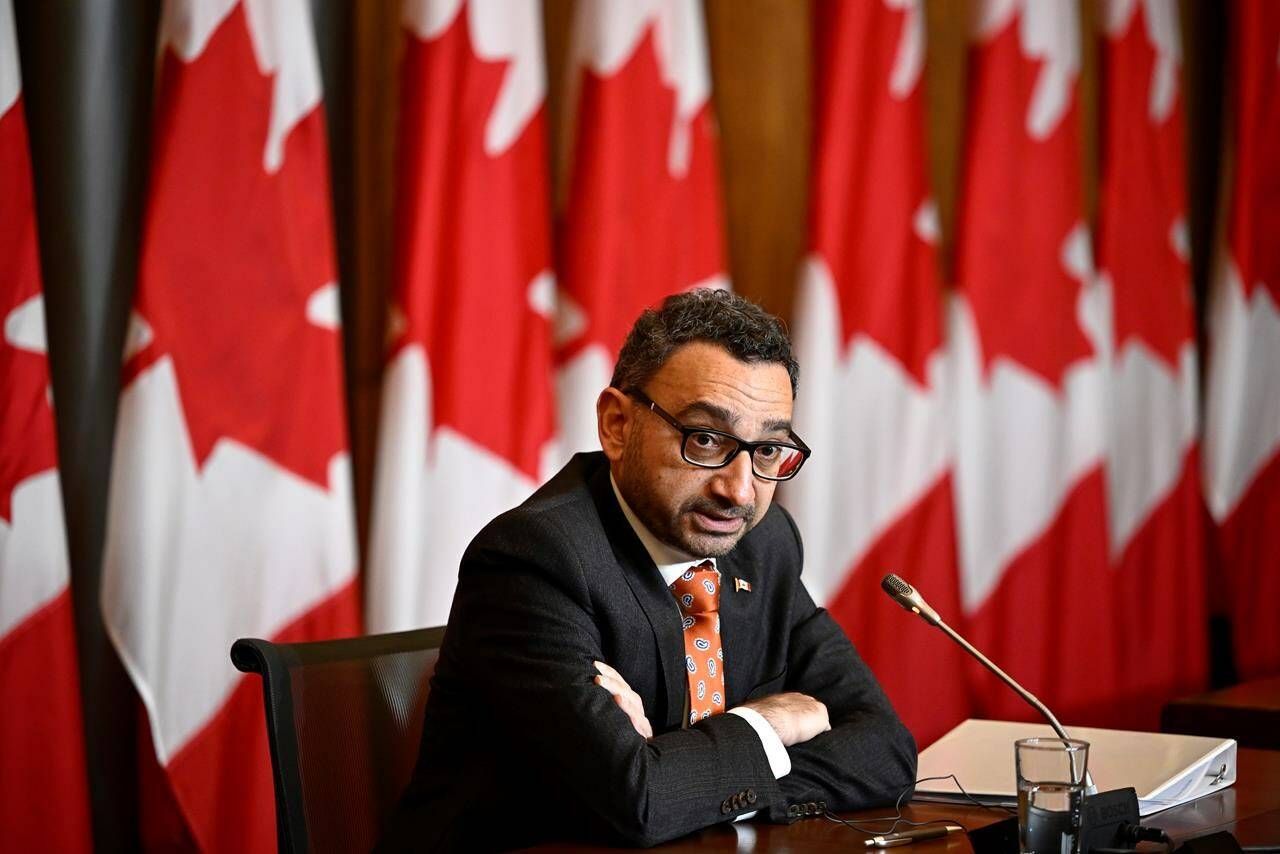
(344, 720)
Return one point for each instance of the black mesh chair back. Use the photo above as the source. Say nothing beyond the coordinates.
(344, 721)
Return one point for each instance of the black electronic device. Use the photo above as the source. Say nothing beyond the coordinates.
(1107, 820)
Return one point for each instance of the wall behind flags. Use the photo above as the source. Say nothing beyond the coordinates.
(90, 198)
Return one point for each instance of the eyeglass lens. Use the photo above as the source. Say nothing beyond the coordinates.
(771, 461)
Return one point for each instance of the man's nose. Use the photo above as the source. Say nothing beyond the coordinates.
(736, 482)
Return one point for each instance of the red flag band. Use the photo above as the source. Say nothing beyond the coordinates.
(868, 332)
(44, 798)
(643, 217)
(1242, 430)
(468, 419)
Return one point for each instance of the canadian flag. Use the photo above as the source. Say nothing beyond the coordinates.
(1029, 330)
(643, 216)
(468, 415)
(230, 507)
(1156, 520)
(1242, 430)
(44, 797)
(868, 331)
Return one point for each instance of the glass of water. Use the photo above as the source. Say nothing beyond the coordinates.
(1051, 781)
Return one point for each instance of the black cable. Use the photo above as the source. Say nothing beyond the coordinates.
(897, 818)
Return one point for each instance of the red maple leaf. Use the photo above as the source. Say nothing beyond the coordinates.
(1254, 229)
(1020, 199)
(1143, 195)
(232, 254)
(28, 443)
(869, 182)
(634, 233)
(472, 232)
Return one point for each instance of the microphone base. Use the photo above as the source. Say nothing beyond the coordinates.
(1104, 817)
(1102, 820)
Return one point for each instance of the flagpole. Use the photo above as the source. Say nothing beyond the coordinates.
(87, 70)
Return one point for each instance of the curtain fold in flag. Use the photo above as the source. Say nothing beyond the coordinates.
(1029, 332)
(868, 333)
(468, 418)
(1155, 516)
(1242, 406)
(642, 217)
(44, 797)
(230, 509)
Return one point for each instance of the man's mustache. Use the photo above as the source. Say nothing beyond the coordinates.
(711, 508)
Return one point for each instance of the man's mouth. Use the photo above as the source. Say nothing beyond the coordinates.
(719, 523)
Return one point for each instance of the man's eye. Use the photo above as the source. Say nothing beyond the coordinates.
(768, 452)
(706, 440)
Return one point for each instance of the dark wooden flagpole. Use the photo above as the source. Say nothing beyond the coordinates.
(87, 70)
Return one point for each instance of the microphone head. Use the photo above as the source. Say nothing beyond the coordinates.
(895, 586)
(906, 596)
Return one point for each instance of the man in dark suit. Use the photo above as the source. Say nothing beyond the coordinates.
(631, 654)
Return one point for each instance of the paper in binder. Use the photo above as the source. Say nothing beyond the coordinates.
(1165, 770)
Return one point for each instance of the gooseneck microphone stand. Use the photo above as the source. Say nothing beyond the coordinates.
(910, 599)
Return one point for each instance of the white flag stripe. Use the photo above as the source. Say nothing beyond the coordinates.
(10, 73)
(33, 550)
(436, 490)
(853, 403)
(24, 326)
(1002, 506)
(1242, 432)
(257, 546)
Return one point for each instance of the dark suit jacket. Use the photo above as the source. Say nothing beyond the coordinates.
(520, 746)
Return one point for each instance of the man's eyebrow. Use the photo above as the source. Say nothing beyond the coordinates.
(724, 416)
(778, 426)
(711, 410)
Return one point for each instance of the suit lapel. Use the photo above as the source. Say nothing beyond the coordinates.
(738, 637)
(655, 599)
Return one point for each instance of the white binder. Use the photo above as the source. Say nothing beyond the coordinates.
(1166, 770)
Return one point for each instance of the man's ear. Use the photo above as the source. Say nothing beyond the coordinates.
(613, 421)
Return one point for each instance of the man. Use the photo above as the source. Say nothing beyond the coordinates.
(631, 655)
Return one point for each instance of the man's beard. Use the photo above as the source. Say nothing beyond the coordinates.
(665, 524)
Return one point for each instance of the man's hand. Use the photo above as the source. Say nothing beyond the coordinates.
(795, 717)
(628, 700)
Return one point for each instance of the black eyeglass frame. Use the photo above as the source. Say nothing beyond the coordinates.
(796, 443)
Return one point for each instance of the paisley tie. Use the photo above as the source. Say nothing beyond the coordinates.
(697, 592)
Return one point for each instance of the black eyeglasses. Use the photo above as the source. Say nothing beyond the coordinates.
(713, 449)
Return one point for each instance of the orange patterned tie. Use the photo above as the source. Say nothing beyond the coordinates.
(697, 592)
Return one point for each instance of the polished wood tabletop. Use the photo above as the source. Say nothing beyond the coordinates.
(1250, 809)
(1248, 712)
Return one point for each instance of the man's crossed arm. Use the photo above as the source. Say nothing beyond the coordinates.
(794, 717)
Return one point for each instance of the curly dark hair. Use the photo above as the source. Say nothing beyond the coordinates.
(744, 329)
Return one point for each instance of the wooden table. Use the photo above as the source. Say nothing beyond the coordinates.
(1248, 712)
(1250, 809)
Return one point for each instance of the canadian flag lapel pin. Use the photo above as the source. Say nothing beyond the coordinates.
(741, 584)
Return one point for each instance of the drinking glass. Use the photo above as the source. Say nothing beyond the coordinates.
(1051, 782)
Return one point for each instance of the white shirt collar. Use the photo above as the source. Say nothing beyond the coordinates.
(671, 562)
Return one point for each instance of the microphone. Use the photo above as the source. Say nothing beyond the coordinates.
(910, 599)
(906, 596)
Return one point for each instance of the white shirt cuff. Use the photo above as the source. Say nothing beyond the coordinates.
(779, 760)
